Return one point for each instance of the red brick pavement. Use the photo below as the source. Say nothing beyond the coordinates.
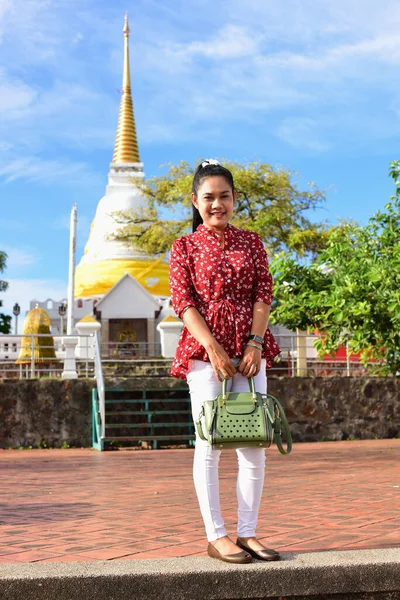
(80, 505)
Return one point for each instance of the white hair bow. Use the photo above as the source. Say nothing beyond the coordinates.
(209, 161)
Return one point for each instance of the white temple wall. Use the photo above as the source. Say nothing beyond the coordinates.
(128, 301)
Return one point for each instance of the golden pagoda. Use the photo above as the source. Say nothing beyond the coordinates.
(106, 261)
(37, 321)
(126, 146)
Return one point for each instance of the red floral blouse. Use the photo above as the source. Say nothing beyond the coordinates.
(223, 285)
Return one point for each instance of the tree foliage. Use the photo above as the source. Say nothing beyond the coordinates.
(351, 291)
(268, 202)
(5, 320)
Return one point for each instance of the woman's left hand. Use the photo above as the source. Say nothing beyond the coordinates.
(249, 365)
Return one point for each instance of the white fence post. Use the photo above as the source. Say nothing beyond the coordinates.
(32, 357)
(301, 341)
(70, 361)
(170, 329)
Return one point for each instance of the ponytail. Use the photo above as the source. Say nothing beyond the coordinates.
(196, 219)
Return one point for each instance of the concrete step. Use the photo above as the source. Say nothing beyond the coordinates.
(346, 575)
(137, 368)
(137, 438)
(128, 382)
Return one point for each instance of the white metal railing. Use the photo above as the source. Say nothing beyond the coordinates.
(90, 348)
(299, 357)
(100, 383)
(130, 349)
(36, 361)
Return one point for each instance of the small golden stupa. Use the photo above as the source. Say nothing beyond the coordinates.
(37, 321)
(106, 261)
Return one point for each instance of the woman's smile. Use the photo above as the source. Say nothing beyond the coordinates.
(214, 201)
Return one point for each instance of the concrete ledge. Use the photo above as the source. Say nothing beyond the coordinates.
(361, 574)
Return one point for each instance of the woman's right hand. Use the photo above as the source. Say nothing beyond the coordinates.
(220, 361)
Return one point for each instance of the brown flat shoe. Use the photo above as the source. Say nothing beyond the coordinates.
(265, 554)
(239, 558)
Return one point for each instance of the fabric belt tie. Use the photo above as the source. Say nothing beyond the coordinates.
(223, 312)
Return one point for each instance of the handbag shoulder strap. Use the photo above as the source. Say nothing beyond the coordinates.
(281, 424)
(199, 424)
(199, 429)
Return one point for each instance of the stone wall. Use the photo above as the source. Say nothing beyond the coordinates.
(45, 412)
(52, 412)
(339, 408)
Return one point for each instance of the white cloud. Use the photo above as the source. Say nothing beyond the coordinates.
(77, 38)
(5, 6)
(12, 224)
(18, 257)
(230, 42)
(302, 132)
(243, 64)
(34, 30)
(244, 73)
(83, 226)
(53, 98)
(15, 95)
(338, 63)
(32, 168)
(66, 113)
(317, 23)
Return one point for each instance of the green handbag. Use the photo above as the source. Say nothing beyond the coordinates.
(237, 419)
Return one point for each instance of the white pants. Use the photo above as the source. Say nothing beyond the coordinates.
(203, 385)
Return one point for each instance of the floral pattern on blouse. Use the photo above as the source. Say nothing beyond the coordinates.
(222, 284)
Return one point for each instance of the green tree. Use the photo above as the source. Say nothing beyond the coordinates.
(351, 292)
(5, 320)
(268, 202)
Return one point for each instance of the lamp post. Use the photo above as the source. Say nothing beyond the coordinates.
(16, 312)
(62, 311)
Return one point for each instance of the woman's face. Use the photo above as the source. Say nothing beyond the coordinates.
(214, 201)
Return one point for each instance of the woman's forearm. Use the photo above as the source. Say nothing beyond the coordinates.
(260, 318)
(197, 326)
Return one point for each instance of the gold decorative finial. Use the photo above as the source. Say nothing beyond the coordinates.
(126, 148)
(126, 25)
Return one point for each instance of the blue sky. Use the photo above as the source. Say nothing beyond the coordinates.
(309, 85)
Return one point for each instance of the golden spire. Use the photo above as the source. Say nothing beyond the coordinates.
(126, 148)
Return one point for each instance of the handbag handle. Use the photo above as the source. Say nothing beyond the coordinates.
(252, 387)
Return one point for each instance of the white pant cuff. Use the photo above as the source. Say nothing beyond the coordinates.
(215, 536)
(247, 533)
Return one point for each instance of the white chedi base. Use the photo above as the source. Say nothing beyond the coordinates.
(123, 194)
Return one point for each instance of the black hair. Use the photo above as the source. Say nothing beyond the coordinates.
(207, 169)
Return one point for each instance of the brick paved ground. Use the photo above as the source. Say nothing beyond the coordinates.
(65, 505)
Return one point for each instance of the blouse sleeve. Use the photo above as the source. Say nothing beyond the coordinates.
(263, 281)
(180, 281)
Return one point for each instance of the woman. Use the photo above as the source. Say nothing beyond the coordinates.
(222, 290)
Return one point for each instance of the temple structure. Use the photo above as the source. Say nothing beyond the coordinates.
(106, 261)
(127, 289)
